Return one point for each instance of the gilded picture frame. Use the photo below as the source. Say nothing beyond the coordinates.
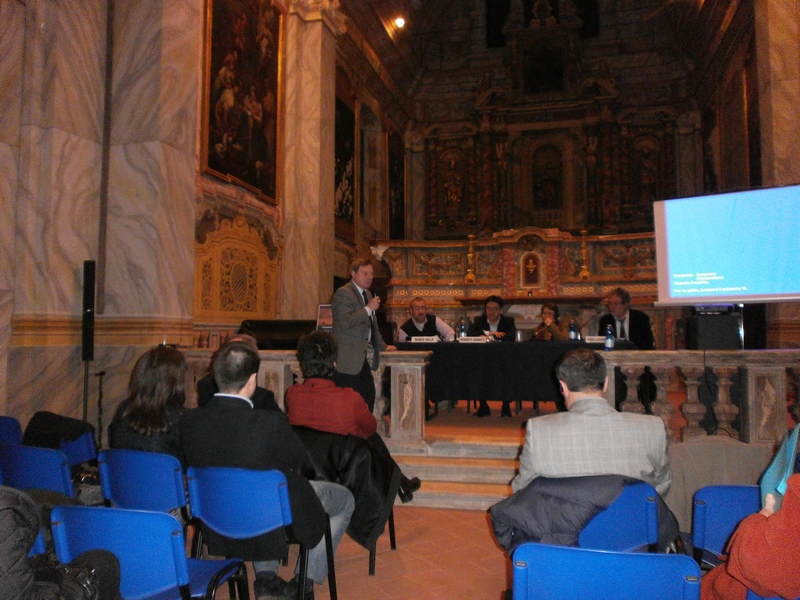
(242, 93)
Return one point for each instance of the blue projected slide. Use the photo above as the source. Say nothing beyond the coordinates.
(739, 247)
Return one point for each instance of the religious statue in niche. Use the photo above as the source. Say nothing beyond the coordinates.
(452, 186)
(647, 150)
(530, 268)
(547, 178)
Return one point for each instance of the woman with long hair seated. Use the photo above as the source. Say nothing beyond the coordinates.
(148, 419)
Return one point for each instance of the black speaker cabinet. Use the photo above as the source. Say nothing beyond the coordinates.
(87, 330)
(714, 332)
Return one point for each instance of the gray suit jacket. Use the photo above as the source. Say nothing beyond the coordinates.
(594, 439)
(351, 325)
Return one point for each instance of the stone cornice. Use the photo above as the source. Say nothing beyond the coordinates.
(65, 330)
(326, 11)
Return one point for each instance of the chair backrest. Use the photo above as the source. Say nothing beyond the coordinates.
(544, 572)
(28, 467)
(718, 509)
(149, 545)
(629, 523)
(80, 450)
(239, 503)
(141, 480)
(10, 431)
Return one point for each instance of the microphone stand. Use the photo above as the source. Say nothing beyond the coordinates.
(100, 375)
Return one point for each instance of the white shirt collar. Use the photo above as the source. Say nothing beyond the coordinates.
(224, 395)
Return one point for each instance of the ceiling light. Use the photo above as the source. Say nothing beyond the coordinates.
(400, 22)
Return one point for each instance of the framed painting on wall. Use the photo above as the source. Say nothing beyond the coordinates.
(242, 93)
(344, 172)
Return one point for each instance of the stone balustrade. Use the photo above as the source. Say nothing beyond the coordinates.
(766, 375)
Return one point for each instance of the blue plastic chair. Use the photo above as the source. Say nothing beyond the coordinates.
(81, 450)
(245, 503)
(29, 467)
(10, 431)
(718, 509)
(141, 480)
(544, 572)
(151, 551)
(629, 524)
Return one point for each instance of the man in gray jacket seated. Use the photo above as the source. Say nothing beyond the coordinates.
(592, 438)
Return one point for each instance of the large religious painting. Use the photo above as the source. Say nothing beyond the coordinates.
(242, 92)
(397, 213)
(344, 171)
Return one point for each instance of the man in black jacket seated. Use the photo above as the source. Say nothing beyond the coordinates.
(229, 433)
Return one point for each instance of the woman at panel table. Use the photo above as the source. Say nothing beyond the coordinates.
(550, 328)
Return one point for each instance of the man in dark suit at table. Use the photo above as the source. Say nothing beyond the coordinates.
(494, 323)
(227, 432)
(629, 324)
(355, 328)
(626, 322)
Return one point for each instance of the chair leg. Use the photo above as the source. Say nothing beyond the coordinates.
(303, 574)
(392, 539)
(331, 565)
(372, 552)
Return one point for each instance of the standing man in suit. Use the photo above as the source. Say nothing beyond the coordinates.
(355, 328)
(592, 438)
(626, 322)
(634, 325)
(228, 432)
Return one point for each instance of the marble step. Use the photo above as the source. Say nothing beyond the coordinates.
(461, 496)
(456, 448)
(458, 470)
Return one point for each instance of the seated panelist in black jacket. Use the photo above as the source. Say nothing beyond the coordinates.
(493, 323)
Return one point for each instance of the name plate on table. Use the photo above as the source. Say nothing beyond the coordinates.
(425, 339)
(595, 339)
(473, 340)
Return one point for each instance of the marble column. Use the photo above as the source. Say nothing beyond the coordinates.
(778, 58)
(308, 166)
(415, 184)
(12, 40)
(148, 213)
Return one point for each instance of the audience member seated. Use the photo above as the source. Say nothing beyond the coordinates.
(227, 432)
(762, 554)
(550, 328)
(318, 403)
(41, 577)
(206, 386)
(421, 324)
(592, 438)
(148, 418)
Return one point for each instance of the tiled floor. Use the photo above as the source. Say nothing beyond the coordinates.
(441, 554)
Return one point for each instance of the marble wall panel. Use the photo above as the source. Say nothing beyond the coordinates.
(56, 219)
(12, 39)
(156, 72)
(52, 379)
(64, 65)
(6, 307)
(150, 260)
